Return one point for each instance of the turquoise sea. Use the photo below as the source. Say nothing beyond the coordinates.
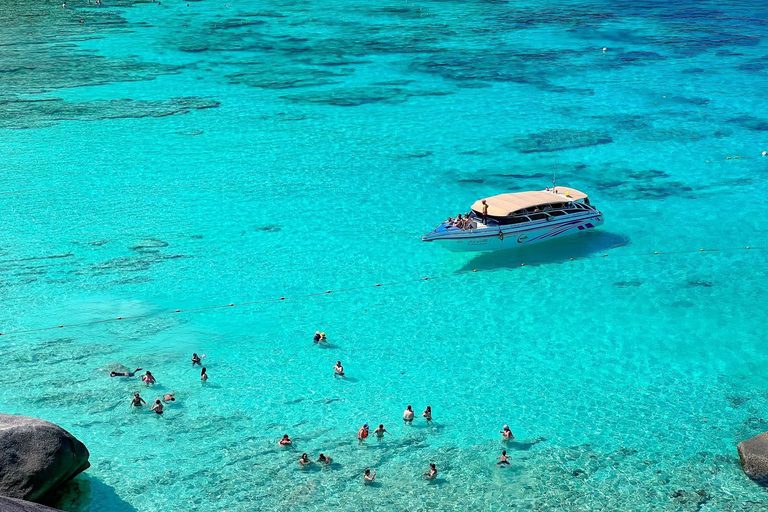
(163, 156)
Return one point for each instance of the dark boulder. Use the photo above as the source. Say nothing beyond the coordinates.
(753, 454)
(14, 505)
(36, 457)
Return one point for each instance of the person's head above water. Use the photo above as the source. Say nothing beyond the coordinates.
(381, 425)
(408, 408)
(285, 436)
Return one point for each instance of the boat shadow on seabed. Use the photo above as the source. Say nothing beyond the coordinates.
(584, 245)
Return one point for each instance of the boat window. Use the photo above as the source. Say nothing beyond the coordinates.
(557, 214)
(538, 216)
(518, 220)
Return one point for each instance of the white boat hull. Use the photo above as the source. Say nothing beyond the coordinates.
(494, 238)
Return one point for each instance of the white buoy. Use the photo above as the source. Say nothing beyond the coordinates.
(765, 153)
(604, 48)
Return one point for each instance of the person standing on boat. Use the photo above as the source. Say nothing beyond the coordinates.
(485, 212)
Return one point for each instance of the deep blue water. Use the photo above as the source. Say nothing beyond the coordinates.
(162, 156)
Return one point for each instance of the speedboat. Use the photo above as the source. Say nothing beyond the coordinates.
(517, 219)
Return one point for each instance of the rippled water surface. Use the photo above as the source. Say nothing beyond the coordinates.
(163, 156)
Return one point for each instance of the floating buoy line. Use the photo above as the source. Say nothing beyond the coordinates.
(343, 290)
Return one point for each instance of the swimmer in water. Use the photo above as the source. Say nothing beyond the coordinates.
(362, 433)
(368, 477)
(428, 414)
(285, 441)
(408, 415)
(169, 397)
(326, 460)
(304, 460)
(203, 375)
(148, 378)
(137, 401)
(124, 374)
(506, 433)
(380, 432)
(323, 339)
(432, 473)
(157, 407)
(338, 369)
(317, 337)
(503, 459)
(196, 360)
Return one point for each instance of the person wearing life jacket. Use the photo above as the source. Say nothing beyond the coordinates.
(362, 433)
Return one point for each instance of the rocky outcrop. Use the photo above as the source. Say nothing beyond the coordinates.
(36, 457)
(753, 454)
(14, 505)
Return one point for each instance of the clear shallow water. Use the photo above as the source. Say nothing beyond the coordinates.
(158, 157)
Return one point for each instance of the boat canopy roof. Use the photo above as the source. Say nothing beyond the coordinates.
(504, 205)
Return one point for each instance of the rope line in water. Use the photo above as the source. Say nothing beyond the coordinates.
(342, 290)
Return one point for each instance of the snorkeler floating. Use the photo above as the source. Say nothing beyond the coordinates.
(124, 374)
(169, 397)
